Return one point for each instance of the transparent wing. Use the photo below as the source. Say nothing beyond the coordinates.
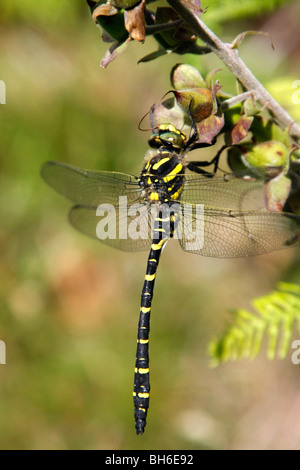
(102, 205)
(114, 226)
(221, 233)
(232, 218)
(231, 191)
(88, 187)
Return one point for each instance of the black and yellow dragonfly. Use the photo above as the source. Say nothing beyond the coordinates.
(219, 216)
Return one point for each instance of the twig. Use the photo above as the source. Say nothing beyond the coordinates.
(236, 99)
(231, 59)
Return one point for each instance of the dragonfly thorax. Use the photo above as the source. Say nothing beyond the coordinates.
(162, 176)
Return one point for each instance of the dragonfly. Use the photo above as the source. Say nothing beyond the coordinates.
(221, 216)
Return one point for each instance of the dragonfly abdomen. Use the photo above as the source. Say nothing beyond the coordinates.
(141, 391)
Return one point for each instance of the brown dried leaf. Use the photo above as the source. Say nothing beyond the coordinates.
(209, 128)
(240, 130)
(238, 40)
(135, 22)
(106, 9)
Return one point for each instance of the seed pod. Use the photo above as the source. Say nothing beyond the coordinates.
(185, 76)
(270, 153)
(277, 192)
(197, 101)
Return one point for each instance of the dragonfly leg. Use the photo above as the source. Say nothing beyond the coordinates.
(197, 167)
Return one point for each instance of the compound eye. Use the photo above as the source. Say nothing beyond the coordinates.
(172, 139)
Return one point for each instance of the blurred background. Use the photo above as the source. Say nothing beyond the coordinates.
(69, 305)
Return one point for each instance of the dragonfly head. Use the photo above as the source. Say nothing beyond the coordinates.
(169, 137)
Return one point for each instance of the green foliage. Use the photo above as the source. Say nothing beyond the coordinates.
(51, 11)
(220, 11)
(285, 89)
(276, 316)
(46, 12)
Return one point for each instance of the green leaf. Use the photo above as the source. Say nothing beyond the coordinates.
(275, 317)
